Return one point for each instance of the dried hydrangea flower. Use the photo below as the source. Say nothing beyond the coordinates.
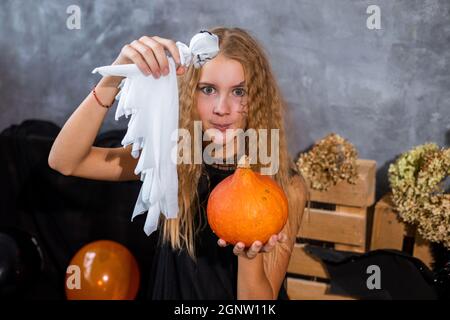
(416, 181)
(331, 160)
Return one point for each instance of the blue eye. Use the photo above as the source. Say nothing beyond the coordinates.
(207, 90)
(240, 92)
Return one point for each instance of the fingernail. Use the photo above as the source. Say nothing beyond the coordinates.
(157, 75)
(166, 71)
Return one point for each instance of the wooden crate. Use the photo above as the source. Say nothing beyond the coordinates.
(311, 290)
(361, 194)
(343, 226)
(389, 232)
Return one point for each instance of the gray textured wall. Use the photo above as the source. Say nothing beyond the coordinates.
(385, 90)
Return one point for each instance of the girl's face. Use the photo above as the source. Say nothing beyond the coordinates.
(221, 97)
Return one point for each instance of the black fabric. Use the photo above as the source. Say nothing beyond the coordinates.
(441, 268)
(175, 275)
(64, 213)
(402, 276)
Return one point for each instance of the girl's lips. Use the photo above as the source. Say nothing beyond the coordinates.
(221, 127)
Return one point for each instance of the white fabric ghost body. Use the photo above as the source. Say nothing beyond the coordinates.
(153, 127)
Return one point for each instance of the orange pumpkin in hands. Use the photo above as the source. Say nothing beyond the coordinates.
(247, 206)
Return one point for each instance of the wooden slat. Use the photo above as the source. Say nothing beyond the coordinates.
(388, 231)
(304, 264)
(361, 194)
(348, 247)
(299, 289)
(334, 226)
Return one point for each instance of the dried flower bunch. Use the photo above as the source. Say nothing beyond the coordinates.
(416, 180)
(331, 160)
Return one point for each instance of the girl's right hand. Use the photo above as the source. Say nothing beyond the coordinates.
(148, 53)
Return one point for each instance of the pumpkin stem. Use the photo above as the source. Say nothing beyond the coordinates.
(244, 162)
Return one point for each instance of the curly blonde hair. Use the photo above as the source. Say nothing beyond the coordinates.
(265, 111)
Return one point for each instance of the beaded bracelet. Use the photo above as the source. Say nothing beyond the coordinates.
(98, 100)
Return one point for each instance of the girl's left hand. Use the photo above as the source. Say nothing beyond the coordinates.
(257, 247)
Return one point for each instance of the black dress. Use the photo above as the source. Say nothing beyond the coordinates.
(175, 275)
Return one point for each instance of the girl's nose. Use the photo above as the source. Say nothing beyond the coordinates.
(222, 107)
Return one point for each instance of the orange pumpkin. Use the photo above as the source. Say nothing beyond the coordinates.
(247, 206)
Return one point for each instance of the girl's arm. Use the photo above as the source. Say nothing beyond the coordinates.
(253, 282)
(73, 152)
(76, 137)
(261, 274)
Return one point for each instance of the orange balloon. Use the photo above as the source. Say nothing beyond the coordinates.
(102, 270)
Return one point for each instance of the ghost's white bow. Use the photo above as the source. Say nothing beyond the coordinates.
(203, 47)
(153, 128)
